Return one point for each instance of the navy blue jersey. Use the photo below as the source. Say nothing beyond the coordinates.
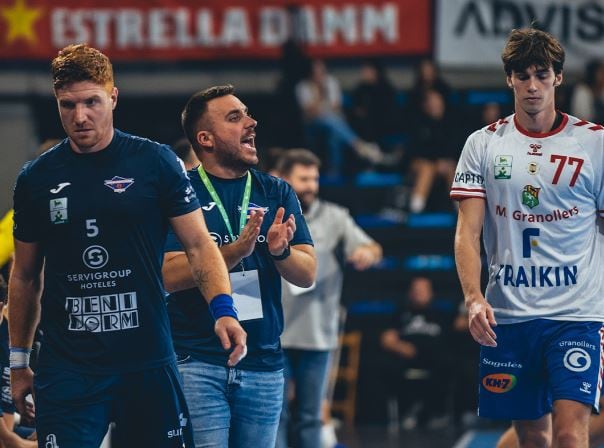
(100, 220)
(192, 324)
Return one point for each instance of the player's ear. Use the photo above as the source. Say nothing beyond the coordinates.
(205, 139)
(508, 79)
(558, 79)
(113, 97)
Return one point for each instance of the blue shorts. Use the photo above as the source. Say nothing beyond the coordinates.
(73, 409)
(536, 363)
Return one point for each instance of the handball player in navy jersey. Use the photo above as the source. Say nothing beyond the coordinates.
(91, 216)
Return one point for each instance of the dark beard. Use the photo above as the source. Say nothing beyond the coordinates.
(305, 204)
(232, 161)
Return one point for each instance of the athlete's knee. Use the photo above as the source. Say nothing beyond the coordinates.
(571, 438)
(534, 438)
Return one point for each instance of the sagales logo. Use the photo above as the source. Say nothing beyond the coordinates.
(499, 383)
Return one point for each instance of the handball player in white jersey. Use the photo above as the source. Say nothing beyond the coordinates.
(533, 183)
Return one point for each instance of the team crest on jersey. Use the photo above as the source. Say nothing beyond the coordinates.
(503, 167)
(535, 150)
(251, 207)
(532, 168)
(58, 211)
(530, 196)
(119, 184)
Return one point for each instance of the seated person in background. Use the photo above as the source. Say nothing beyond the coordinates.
(320, 98)
(374, 113)
(434, 149)
(464, 370)
(587, 101)
(427, 77)
(416, 342)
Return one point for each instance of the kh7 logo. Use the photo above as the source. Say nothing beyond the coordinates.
(499, 383)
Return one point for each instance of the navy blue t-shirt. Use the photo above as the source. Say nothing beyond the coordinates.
(192, 324)
(100, 220)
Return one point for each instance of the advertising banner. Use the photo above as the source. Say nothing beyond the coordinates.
(214, 29)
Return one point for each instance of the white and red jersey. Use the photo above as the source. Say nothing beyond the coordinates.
(544, 196)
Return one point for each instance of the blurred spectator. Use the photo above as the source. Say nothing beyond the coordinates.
(374, 113)
(7, 244)
(490, 113)
(434, 149)
(320, 98)
(311, 315)
(427, 77)
(464, 369)
(287, 124)
(184, 151)
(587, 100)
(417, 350)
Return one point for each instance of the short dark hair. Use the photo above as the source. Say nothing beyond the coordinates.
(197, 106)
(529, 46)
(76, 63)
(298, 156)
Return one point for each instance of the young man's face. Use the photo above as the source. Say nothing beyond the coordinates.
(534, 89)
(305, 182)
(86, 111)
(232, 133)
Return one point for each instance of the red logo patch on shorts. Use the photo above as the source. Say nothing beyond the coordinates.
(499, 383)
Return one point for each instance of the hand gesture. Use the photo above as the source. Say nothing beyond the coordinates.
(361, 258)
(481, 319)
(22, 381)
(231, 334)
(247, 239)
(280, 232)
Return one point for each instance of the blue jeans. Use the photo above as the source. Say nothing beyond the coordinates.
(336, 134)
(230, 407)
(308, 370)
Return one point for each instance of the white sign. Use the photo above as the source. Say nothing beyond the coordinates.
(472, 33)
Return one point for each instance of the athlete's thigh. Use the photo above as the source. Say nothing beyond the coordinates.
(255, 408)
(574, 362)
(73, 410)
(152, 410)
(513, 381)
(205, 387)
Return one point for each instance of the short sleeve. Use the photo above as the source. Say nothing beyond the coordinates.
(25, 220)
(469, 181)
(177, 195)
(353, 235)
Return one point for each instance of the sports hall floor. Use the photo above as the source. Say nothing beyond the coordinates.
(379, 437)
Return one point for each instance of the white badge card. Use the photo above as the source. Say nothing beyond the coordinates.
(246, 294)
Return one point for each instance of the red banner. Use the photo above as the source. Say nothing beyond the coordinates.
(214, 29)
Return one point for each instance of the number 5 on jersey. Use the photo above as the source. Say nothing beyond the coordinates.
(92, 229)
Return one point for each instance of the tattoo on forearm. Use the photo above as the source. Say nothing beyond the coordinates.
(201, 278)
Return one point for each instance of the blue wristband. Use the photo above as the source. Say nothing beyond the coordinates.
(222, 305)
